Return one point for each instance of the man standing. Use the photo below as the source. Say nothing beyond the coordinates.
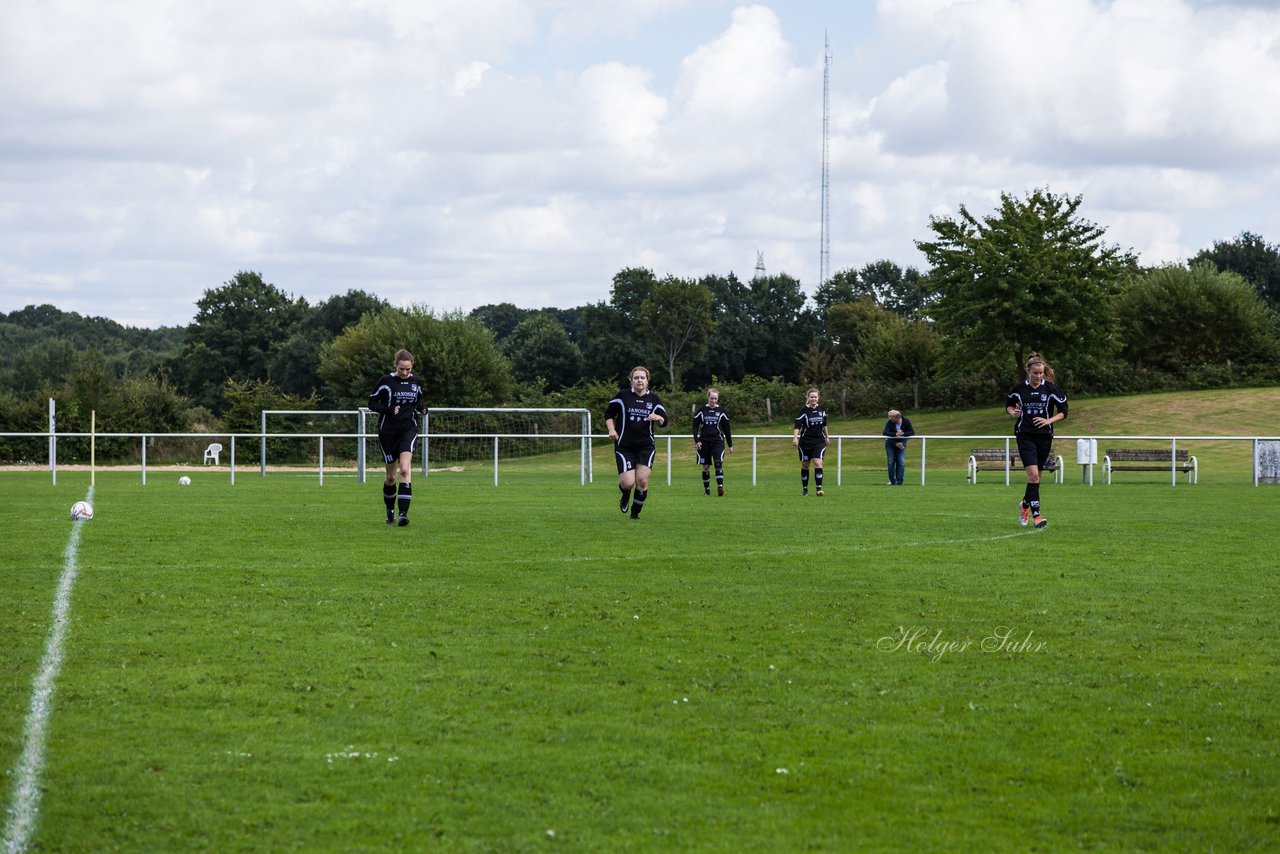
(896, 431)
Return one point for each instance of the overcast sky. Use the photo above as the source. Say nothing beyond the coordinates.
(461, 152)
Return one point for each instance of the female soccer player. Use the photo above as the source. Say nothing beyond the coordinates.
(811, 438)
(710, 436)
(1036, 404)
(398, 398)
(630, 418)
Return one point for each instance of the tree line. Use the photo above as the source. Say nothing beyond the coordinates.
(1032, 274)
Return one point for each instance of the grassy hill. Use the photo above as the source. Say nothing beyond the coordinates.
(1216, 412)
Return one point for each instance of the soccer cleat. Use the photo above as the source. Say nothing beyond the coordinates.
(819, 491)
(624, 503)
(707, 491)
(1024, 513)
(720, 491)
(391, 518)
(804, 491)
(1040, 521)
(404, 520)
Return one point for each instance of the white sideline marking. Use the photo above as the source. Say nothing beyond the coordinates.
(20, 822)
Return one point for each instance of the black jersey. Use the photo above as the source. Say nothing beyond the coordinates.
(711, 424)
(392, 391)
(811, 423)
(630, 413)
(1041, 402)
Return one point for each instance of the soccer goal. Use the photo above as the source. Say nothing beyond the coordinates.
(449, 439)
(456, 437)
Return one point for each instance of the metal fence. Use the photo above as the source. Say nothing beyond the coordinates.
(1265, 451)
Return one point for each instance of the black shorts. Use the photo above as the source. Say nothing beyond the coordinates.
(395, 443)
(1035, 449)
(712, 451)
(629, 457)
(811, 450)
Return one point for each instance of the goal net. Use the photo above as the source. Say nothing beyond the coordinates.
(516, 438)
(450, 439)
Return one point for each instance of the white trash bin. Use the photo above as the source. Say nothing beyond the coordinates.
(1087, 457)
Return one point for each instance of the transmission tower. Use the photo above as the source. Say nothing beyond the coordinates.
(824, 254)
(759, 265)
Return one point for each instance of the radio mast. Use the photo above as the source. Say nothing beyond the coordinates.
(824, 255)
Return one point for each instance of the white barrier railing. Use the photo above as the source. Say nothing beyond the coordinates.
(919, 442)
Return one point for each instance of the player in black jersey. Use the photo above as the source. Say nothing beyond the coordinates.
(630, 418)
(810, 436)
(711, 435)
(398, 399)
(1035, 404)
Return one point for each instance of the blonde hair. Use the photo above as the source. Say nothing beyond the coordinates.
(632, 372)
(812, 391)
(1036, 359)
(403, 356)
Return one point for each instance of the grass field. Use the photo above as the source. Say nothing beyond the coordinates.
(268, 666)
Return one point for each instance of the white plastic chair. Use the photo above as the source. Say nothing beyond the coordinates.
(211, 453)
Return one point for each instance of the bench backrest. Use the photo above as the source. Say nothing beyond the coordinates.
(996, 455)
(1144, 455)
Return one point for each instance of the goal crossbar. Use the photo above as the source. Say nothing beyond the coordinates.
(366, 425)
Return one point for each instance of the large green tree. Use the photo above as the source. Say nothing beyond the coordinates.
(295, 363)
(502, 318)
(236, 333)
(725, 357)
(455, 356)
(676, 319)
(541, 353)
(783, 327)
(631, 287)
(1177, 320)
(1255, 260)
(901, 350)
(1033, 275)
(902, 291)
(609, 344)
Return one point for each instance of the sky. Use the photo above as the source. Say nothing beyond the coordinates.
(455, 153)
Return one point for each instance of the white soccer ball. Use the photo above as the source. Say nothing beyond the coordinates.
(81, 511)
(184, 481)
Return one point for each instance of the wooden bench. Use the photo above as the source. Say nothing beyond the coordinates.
(1150, 459)
(993, 459)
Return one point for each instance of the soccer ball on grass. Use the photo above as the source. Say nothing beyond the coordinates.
(184, 481)
(82, 511)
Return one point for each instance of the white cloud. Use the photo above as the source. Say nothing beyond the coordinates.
(467, 151)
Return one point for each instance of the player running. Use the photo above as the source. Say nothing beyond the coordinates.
(630, 417)
(810, 436)
(711, 435)
(398, 398)
(1035, 404)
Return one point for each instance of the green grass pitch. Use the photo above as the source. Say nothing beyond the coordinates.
(268, 666)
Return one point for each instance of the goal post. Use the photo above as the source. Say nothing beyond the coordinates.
(450, 438)
(454, 436)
